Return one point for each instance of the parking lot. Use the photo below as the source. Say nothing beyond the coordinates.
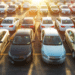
(37, 66)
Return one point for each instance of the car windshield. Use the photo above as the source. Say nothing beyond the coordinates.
(7, 22)
(1, 6)
(64, 7)
(54, 7)
(52, 40)
(43, 7)
(47, 22)
(66, 22)
(21, 40)
(34, 7)
(11, 6)
(28, 21)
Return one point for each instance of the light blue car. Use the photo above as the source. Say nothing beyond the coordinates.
(52, 49)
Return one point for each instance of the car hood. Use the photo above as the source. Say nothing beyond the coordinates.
(53, 50)
(16, 50)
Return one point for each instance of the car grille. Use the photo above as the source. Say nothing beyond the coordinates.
(54, 58)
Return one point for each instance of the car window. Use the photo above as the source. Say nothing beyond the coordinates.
(64, 7)
(67, 22)
(7, 22)
(22, 40)
(2, 34)
(11, 6)
(1, 6)
(29, 21)
(54, 7)
(47, 22)
(52, 40)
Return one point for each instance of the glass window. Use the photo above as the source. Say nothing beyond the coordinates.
(64, 7)
(11, 6)
(66, 22)
(52, 40)
(21, 40)
(28, 21)
(7, 22)
(54, 7)
(47, 22)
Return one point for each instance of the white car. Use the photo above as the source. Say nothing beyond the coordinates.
(4, 38)
(72, 8)
(63, 23)
(64, 9)
(12, 9)
(3, 8)
(52, 49)
(33, 9)
(26, 5)
(70, 39)
(10, 23)
(46, 22)
(44, 9)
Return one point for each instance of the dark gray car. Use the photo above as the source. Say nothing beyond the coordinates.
(21, 48)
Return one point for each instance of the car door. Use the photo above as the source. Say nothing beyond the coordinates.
(70, 39)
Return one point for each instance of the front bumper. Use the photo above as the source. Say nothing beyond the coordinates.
(48, 61)
(19, 60)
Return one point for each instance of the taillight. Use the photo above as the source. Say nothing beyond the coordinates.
(72, 26)
(63, 26)
(52, 26)
(22, 26)
(31, 26)
(1, 26)
(11, 26)
(43, 26)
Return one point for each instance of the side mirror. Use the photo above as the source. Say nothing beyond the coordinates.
(1, 41)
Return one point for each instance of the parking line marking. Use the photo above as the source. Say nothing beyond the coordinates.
(33, 54)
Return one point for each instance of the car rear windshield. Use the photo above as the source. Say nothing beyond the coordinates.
(64, 7)
(28, 21)
(11, 6)
(22, 40)
(43, 7)
(52, 40)
(47, 22)
(7, 22)
(66, 22)
(1, 6)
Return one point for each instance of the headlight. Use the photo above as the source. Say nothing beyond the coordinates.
(29, 54)
(64, 55)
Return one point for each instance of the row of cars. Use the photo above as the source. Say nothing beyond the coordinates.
(52, 48)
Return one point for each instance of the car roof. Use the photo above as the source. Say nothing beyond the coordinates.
(9, 18)
(50, 32)
(28, 18)
(63, 18)
(23, 31)
(45, 18)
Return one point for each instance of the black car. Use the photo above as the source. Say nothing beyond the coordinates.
(21, 48)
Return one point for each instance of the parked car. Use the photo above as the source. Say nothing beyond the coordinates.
(10, 23)
(54, 9)
(21, 49)
(44, 9)
(63, 23)
(12, 9)
(3, 8)
(72, 8)
(33, 9)
(70, 39)
(52, 49)
(26, 5)
(64, 9)
(73, 20)
(28, 22)
(4, 38)
(68, 4)
(47, 22)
